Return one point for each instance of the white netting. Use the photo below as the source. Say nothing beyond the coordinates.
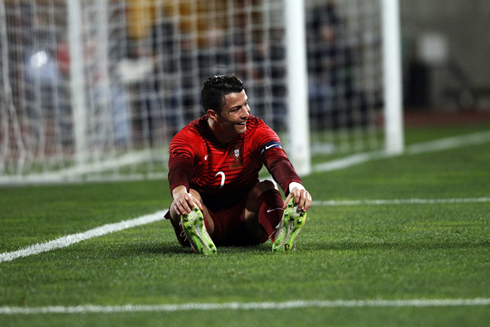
(95, 89)
(345, 74)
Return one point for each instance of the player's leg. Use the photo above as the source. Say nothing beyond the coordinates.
(195, 227)
(264, 210)
(266, 217)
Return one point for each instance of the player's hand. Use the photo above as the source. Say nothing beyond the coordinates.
(184, 202)
(302, 198)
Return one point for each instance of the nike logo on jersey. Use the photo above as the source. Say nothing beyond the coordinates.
(270, 210)
(270, 146)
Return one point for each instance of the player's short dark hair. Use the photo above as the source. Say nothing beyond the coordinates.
(216, 87)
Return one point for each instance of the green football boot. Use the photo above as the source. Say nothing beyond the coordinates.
(288, 228)
(195, 230)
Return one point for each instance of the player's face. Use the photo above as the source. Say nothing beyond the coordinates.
(234, 114)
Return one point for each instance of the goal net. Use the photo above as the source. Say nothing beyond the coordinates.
(95, 89)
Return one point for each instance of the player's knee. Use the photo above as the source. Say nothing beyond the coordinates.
(260, 188)
(265, 186)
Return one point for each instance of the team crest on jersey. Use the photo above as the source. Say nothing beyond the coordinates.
(235, 153)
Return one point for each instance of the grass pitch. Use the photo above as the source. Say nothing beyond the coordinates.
(391, 251)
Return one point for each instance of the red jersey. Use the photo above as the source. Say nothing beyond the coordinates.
(224, 174)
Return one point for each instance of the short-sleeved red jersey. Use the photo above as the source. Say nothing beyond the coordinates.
(224, 174)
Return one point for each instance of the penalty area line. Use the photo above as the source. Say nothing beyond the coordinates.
(245, 306)
(75, 238)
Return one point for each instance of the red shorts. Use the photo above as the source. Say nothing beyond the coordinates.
(230, 228)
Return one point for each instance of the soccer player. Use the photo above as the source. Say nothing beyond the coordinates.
(213, 175)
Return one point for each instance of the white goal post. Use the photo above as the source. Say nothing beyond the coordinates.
(297, 80)
(94, 90)
(392, 77)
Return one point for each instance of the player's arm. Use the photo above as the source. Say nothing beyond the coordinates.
(181, 168)
(281, 169)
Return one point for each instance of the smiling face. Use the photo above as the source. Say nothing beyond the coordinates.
(232, 119)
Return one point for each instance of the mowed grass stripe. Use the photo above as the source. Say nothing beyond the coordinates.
(246, 306)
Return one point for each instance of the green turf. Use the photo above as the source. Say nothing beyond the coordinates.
(356, 252)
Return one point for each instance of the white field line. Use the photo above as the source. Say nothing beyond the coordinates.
(399, 201)
(75, 238)
(245, 306)
(425, 147)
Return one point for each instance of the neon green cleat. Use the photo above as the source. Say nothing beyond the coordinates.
(195, 230)
(288, 228)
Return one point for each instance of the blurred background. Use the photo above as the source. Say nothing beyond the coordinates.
(445, 46)
(99, 87)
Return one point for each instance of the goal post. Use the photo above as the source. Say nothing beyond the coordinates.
(297, 83)
(77, 80)
(297, 80)
(392, 77)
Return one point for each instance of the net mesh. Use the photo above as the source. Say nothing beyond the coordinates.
(110, 109)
